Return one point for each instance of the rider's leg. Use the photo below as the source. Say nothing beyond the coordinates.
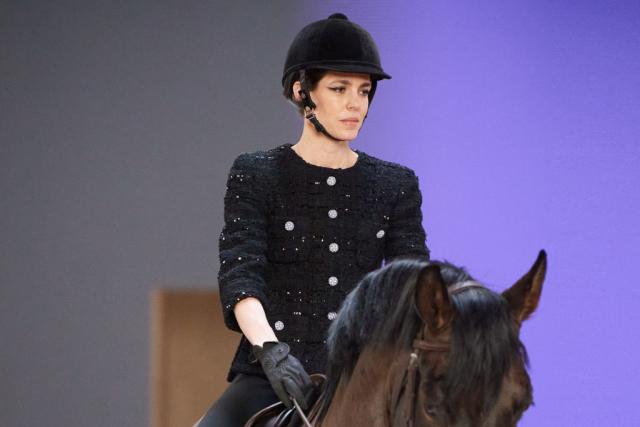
(246, 395)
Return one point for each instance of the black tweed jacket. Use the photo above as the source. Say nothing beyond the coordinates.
(299, 237)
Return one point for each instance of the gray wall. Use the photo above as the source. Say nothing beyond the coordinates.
(118, 123)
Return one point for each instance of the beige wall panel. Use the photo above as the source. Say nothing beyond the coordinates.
(191, 350)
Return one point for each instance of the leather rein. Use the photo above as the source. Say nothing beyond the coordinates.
(421, 345)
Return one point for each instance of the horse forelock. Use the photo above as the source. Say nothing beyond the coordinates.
(484, 346)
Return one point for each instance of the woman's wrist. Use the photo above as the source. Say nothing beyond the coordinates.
(253, 321)
(260, 340)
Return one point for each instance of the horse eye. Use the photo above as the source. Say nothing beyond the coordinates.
(431, 410)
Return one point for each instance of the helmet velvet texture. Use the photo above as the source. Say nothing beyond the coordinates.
(334, 44)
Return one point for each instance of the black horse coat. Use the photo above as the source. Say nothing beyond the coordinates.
(299, 237)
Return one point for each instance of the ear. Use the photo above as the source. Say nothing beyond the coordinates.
(432, 299)
(523, 297)
(296, 88)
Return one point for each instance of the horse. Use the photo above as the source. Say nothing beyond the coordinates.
(423, 344)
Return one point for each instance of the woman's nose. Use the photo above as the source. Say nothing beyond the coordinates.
(354, 102)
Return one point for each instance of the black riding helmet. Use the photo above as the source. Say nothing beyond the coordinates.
(335, 44)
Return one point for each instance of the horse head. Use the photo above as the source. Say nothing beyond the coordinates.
(468, 366)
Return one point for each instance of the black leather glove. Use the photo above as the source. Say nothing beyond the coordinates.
(284, 372)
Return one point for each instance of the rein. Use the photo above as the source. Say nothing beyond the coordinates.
(422, 345)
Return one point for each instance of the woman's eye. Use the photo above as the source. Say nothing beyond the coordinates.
(337, 89)
(366, 92)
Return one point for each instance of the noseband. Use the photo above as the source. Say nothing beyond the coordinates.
(422, 345)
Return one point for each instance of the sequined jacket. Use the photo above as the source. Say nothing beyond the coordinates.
(298, 237)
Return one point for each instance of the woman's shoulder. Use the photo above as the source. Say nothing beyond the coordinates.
(259, 161)
(388, 169)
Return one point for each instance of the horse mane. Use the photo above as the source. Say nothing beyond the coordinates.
(380, 311)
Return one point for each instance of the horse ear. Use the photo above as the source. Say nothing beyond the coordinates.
(524, 295)
(432, 299)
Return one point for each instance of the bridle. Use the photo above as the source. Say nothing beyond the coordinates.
(421, 345)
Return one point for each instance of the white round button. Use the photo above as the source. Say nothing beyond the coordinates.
(333, 280)
(289, 225)
(332, 315)
(333, 247)
(333, 213)
(331, 180)
(380, 234)
(279, 325)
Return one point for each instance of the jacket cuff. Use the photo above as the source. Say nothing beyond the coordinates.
(230, 301)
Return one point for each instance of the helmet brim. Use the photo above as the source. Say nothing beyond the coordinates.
(375, 73)
(350, 67)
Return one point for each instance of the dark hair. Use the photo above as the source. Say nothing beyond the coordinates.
(313, 76)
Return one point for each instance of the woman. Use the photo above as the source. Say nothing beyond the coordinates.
(304, 222)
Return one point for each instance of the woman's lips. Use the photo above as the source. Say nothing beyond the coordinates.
(350, 122)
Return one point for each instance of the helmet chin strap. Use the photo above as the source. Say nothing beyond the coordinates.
(310, 106)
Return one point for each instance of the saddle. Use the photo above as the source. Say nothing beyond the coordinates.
(278, 415)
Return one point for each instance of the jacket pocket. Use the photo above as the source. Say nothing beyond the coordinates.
(288, 240)
(370, 244)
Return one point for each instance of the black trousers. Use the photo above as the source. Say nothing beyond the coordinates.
(246, 395)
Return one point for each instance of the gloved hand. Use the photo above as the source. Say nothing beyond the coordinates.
(284, 372)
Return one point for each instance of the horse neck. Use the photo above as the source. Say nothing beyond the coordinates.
(363, 399)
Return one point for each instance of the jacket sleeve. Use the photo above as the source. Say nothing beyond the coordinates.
(406, 236)
(243, 240)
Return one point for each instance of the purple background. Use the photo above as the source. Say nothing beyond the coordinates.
(522, 120)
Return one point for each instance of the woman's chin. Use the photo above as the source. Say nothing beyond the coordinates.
(345, 135)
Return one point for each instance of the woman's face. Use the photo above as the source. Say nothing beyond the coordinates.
(342, 101)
